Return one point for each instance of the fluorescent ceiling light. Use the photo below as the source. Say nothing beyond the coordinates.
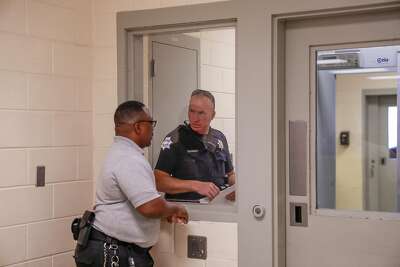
(389, 77)
(366, 70)
(331, 61)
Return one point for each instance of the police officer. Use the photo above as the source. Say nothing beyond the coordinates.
(128, 207)
(194, 160)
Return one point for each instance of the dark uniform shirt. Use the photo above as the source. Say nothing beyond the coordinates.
(188, 155)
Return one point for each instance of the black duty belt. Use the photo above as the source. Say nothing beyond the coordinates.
(100, 236)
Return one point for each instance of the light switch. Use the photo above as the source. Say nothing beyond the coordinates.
(40, 175)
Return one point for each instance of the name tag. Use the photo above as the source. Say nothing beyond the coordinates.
(192, 151)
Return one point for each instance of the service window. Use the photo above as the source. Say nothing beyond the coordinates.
(164, 68)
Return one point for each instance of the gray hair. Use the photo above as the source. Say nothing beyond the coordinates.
(128, 112)
(200, 92)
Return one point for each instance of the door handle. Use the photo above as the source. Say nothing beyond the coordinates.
(371, 169)
(258, 211)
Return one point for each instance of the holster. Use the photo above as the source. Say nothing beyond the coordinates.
(81, 227)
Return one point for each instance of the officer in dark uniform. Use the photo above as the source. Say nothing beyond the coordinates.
(194, 160)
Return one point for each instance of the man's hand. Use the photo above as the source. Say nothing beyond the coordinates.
(231, 196)
(180, 216)
(207, 189)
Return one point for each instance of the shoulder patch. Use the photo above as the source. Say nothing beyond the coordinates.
(166, 144)
(220, 144)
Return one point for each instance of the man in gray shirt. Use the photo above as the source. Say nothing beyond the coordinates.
(128, 207)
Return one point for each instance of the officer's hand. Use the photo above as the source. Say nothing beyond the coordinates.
(180, 216)
(207, 189)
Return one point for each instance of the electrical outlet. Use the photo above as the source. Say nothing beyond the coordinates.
(197, 247)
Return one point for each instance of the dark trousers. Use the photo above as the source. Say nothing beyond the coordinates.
(93, 255)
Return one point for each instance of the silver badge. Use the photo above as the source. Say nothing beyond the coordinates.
(166, 144)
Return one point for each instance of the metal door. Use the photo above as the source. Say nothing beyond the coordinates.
(175, 74)
(329, 236)
(381, 182)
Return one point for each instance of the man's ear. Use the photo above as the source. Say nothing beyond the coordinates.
(136, 128)
(213, 115)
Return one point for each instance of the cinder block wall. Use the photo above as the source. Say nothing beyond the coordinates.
(46, 119)
(57, 96)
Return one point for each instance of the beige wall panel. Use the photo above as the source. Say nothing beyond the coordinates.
(104, 6)
(61, 164)
(221, 263)
(205, 56)
(226, 36)
(105, 97)
(50, 21)
(104, 129)
(221, 54)
(224, 105)
(72, 198)
(72, 60)
(83, 22)
(84, 94)
(25, 129)
(181, 262)
(24, 54)
(221, 239)
(49, 237)
(14, 249)
(13, 90)
(218, 124)
(211, 78)
(229, 130)
(45, 262)
(72, 128)
(85, 163)
(38, 56)
(104, 29)
(64, 260)
(51, 93)
(105, 63)
(170, 3)
(228, 81)
(23, 205)
(14, 167)
(70, 4)
(12, 16)
(205, 1)
(164, 260)
(145, 4)
(99, 156)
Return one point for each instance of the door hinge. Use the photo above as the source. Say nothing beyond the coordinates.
(152, 68)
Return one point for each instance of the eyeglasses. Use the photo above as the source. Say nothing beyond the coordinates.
(153, 123)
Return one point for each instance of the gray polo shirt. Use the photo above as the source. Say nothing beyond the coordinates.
(126, 182)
